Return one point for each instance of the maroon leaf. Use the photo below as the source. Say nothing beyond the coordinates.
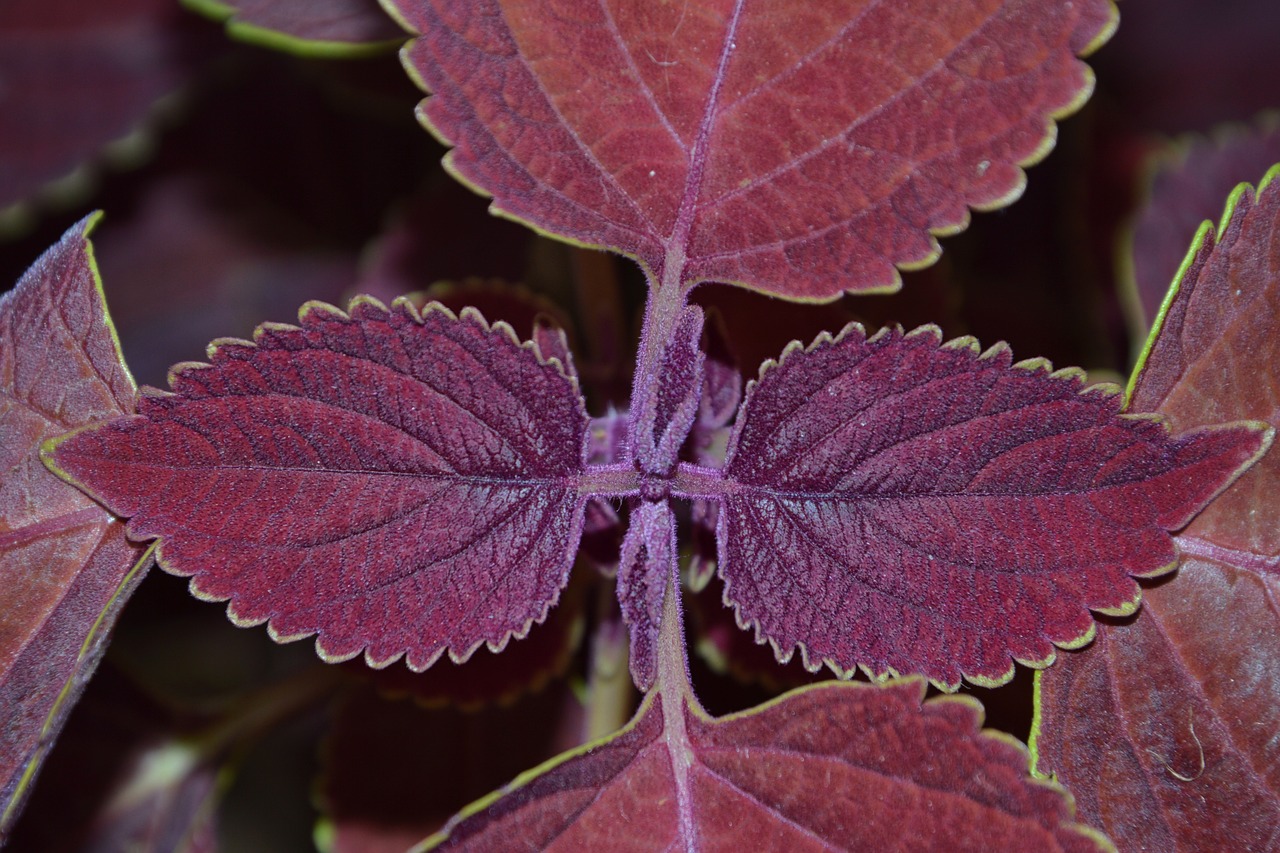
(908, 507)
(1186, 189)
(327, 28)
(65, 566)
(76, 77)
(802, 149)
(1177, 750)
(838, 766)
(397, 483)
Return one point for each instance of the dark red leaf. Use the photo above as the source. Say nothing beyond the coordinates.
(1177, 750)
(393, 482)
(1188, 187)
(905, 507)
(838, 766)
(325, 28)
(802, 149)
(65, 566)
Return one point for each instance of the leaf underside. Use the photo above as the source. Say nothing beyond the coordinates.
(839, 766)
(797, 148)
(396, 483)
(906, 506)
(65, 566)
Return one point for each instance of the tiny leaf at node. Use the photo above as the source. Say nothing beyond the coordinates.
(396, 483)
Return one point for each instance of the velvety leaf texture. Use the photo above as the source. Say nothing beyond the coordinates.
(906, 506)
(393, 482)
(332, 28)
(65, 565)
(1177, 750)
(844, 767)
(800, 148)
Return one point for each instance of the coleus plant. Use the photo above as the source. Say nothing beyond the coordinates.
(404, 482)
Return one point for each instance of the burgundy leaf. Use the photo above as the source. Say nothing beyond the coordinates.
(908, 507)
(197, 258)
(1177, 750)
(802, 148)
(78, 76)
(65, 566)
(327, 28)
(1187, 188)
(839, 766)
(647, 563)
(393, 482)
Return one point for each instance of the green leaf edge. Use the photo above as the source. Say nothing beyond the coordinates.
(11, 808)
(1045, 146)
(1206, 231)
(225, 13)
(1172, 156)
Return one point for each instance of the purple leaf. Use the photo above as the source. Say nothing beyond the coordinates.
(903, 506)
(65, 566)
(799, 148)
(78, 76)
(393, 482)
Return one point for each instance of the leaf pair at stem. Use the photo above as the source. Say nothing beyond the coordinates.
(409, 484)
